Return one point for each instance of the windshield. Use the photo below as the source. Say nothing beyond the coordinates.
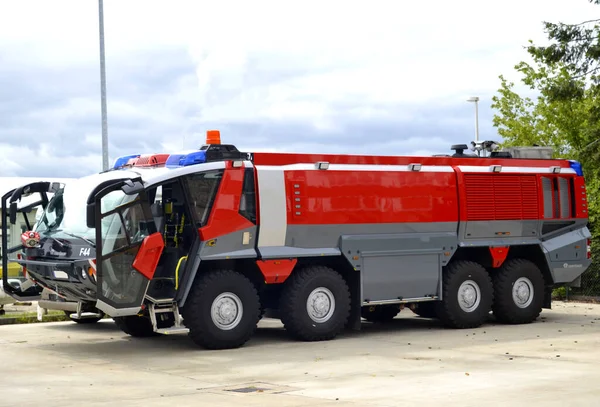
(66, 212)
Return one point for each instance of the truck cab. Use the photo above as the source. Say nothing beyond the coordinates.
(118, 242)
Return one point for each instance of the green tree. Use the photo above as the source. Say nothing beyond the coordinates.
(564, 124)
(564, 111)
(577, 47)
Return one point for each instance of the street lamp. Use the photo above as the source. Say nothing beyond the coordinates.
(476, 100)
(103, 88)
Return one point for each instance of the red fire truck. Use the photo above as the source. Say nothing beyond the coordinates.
(206, 241)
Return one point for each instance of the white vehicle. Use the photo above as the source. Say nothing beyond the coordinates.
(28, 220)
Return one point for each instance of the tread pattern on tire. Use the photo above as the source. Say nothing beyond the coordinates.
(293, 305)
(504, 308)
(452, 315)
(193, 314)
(138, 327)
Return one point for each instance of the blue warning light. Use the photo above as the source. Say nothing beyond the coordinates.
(121, 161)
(184, 160)
(576, 165)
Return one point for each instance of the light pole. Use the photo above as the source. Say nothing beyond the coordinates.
(103, 88)
(476, 100)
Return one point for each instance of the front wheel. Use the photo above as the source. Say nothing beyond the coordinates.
(519, 292)
(467, 295)
(222, 310)
(315, 304)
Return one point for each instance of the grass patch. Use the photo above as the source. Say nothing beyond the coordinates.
(31, 317)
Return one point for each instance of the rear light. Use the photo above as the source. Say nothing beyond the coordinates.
(589, 248)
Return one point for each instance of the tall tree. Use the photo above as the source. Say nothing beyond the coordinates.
(567, 125)
(565, 113)
(565, 75)
(577, 47)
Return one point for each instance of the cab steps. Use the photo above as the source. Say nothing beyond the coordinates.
(162, 307)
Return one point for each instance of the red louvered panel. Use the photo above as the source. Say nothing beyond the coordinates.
(501, 196)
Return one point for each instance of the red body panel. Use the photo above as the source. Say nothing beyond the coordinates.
(149, 254)
(501, 196)
(225, 217)
(276, 271)
(581, 208)
(498, 255)
(359, 197)
(337, 197)
(291, 158)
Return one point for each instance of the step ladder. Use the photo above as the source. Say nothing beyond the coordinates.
(167, 306)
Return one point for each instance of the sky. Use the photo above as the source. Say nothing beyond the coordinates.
(386, 77)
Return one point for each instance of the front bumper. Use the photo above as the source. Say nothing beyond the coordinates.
(69, 279)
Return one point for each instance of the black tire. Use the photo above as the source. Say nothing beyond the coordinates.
(425, 309)
(83, 320)
(136, 326)
(380, 313)
(505, 308)
(197, 311)
(293, 306)
(449, 310)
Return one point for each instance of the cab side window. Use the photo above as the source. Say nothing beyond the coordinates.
(203, 189)
(248, 198)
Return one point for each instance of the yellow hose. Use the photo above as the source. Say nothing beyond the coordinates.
(177, 271)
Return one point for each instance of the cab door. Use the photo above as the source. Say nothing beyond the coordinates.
(128, 246)
(21, 201)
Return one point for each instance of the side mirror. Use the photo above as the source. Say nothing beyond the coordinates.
(91, 215)
(132, 187)
(13, 213)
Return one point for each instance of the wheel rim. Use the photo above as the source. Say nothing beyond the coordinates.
(469, 296)
(320, 305)
(226, 311)
(522, 292)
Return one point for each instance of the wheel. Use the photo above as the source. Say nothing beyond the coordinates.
(136, 326)
(467, 295)
(425, 309)
(222, 310)
(84, 320)
(380, 313)
(518, 292)
(315, 304)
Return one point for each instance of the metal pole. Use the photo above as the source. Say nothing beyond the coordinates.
(477, 119)
(103, 89)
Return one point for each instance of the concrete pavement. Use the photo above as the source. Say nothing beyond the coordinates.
(411, 361)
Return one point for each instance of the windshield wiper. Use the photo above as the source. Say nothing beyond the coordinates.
(80, 237)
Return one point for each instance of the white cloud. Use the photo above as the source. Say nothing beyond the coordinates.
(379, 55)
(312, 64)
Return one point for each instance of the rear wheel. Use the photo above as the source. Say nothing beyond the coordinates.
(467, 295)
(222, 310)
(136, 326)
(380, 313)
(315, 304)
(518, 292)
